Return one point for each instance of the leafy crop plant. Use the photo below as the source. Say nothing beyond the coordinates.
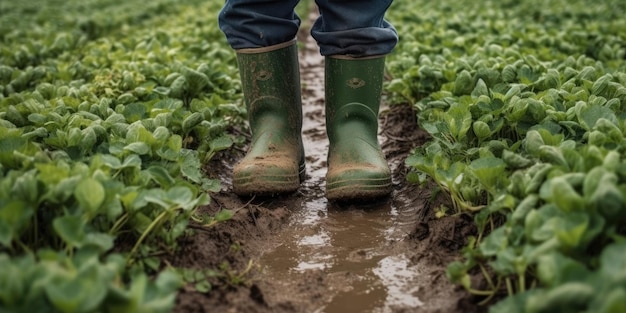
(107, 112)
(525, 102)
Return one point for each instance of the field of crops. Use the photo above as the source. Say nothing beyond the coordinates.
(525, 102)
(109, 110)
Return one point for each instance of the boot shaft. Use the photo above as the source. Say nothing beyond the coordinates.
(270, 79)
(274, 162)
(353, 94)
(357, 169)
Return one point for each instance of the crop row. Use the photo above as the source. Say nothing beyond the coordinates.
(108, 112)
(525, 103)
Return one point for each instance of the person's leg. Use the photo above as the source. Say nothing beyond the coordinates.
(262, 32)
(355, 28)
(258, 23)
(354, 37)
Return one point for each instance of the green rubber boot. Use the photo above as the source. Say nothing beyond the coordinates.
(357, 169)
(274, 162)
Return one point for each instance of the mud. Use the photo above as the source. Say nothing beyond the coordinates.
(309, 255)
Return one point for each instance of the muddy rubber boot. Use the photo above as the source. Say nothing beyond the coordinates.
(274, 162)
(357, 169)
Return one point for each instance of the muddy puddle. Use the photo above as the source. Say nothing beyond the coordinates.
(356, 249)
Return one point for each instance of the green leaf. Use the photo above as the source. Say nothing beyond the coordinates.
(540, 223)
(464, 83)
(71, 229)
(564, 196)
(192, 121)
(489, 171)
(161, 296)
(224, 215)
(14, 215)
(25, 187)
(202, 286)
(600, 85)
(509, 73)
(134, 112)
(103, 242)
(110, 161)
(570, 230)
(89, 138)
(613, 302)
(589, 117)
(83, 291)
(212, 185)
(613, 261)
(515, 303)
(608, 198)
(196, 80)
(457, 273)
(459, 120)
(555, 269)
(178, 87)
(524, 207)
(180, 195)
(161, 134)
(494, 243)
(480, 89)
(514, 160)
(139, 148)
(221, 143)
(161, 176)
(90, 194)
(6, 233)
(554, 155)
(533, 142)
(481, 129)
(190, 166)
(132, 160)
(569, 297)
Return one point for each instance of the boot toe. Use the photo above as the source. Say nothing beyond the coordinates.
(263, 178)
(361, 183)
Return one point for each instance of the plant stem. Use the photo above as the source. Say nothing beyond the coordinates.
(118, 224)
(143, 236)
(487, 277)
(509, 286)
(522, 282)
(480, 237)
(486, 300)
(36, 221)
(23, 246)
(480, 292)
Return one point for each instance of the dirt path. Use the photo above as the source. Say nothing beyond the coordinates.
(308, 255)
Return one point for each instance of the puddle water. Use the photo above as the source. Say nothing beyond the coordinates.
(358, 247)
(354, 247)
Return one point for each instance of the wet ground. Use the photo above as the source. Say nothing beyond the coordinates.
(308, 255)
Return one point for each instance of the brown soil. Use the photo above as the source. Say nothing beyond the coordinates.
(343, 270)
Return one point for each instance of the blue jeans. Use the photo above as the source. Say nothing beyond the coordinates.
(355, 28)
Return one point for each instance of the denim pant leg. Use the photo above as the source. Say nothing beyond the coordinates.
(258, 23)
(355, 28)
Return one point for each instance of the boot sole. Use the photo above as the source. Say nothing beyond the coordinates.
(364, 189)
(267, 185)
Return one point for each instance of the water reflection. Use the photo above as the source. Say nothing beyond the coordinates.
(352, 245)
(398, 276)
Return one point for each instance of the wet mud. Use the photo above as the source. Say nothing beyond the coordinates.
(300, 253)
